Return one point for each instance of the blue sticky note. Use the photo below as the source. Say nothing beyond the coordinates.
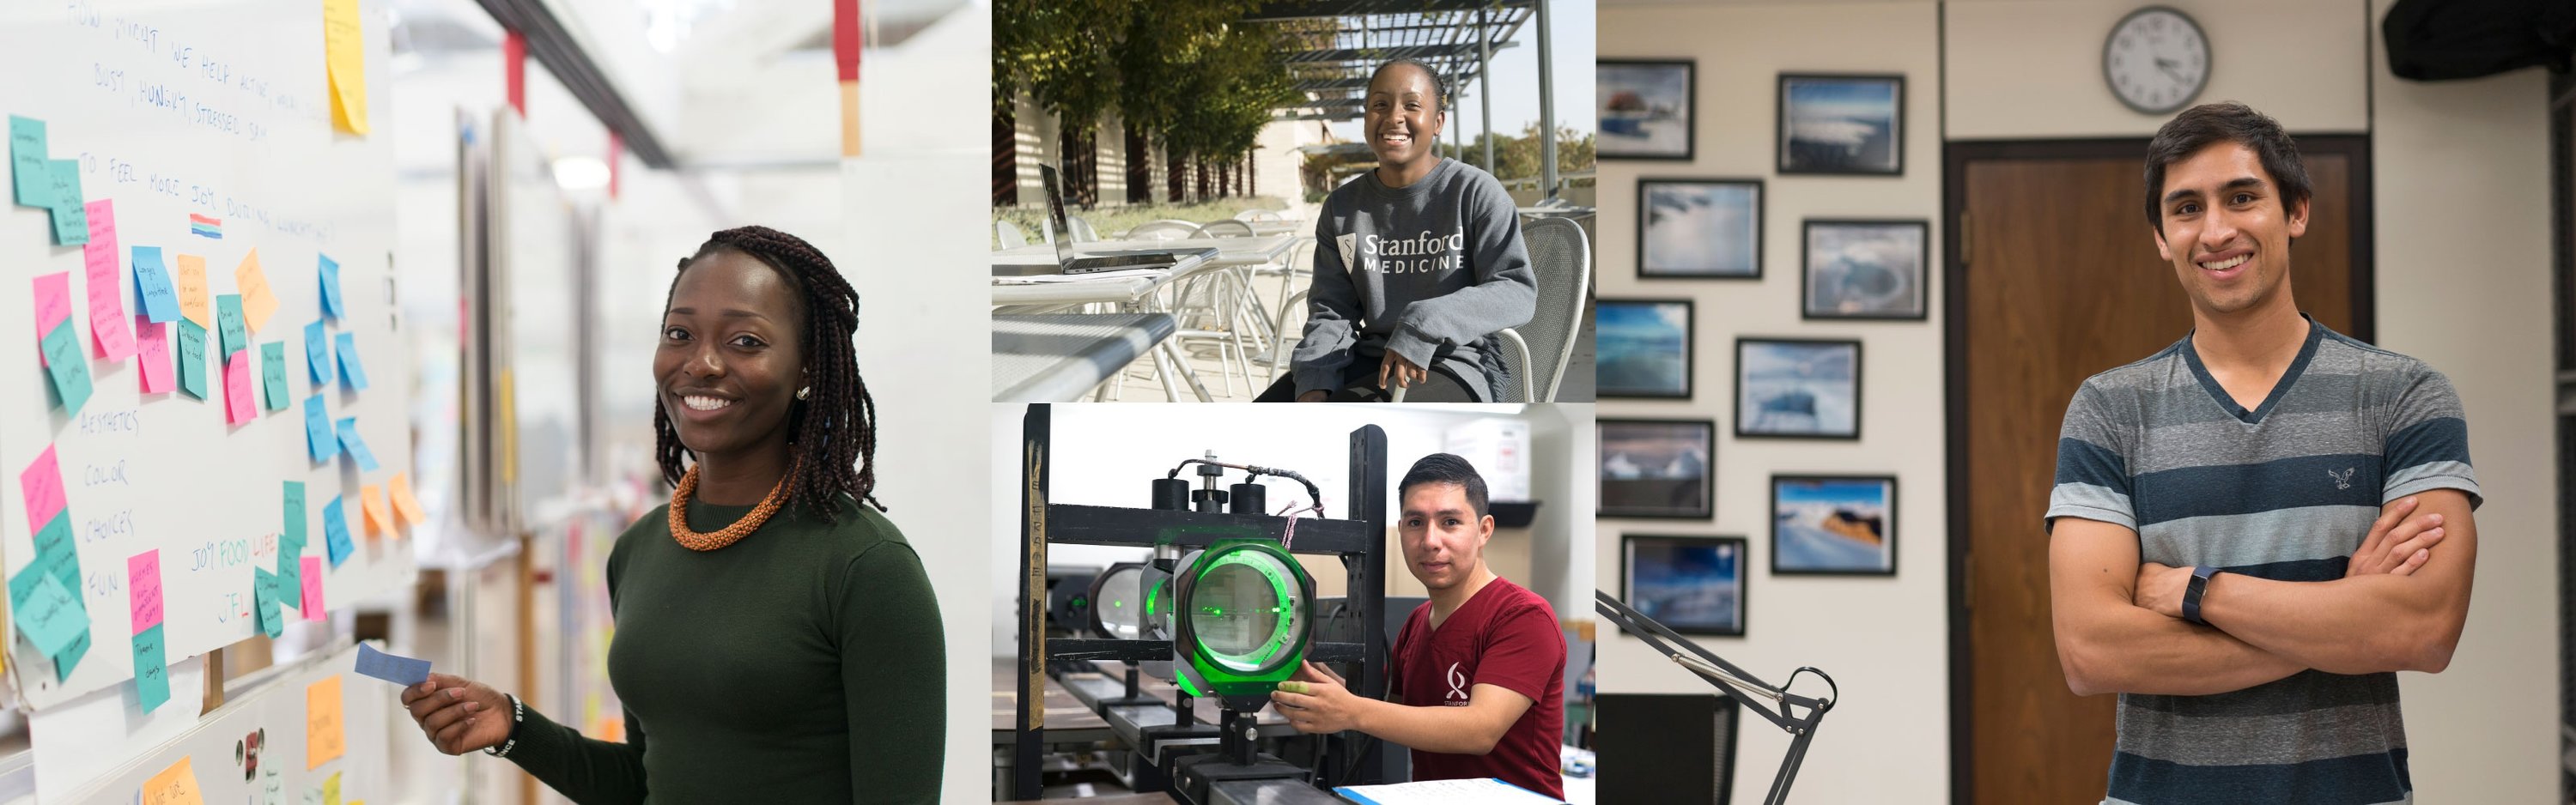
(46, 613)
(317, 353)
(71, 217)
(356, 445)
(191, 356)
(331, 287)
(152, 285)
(228, 318)
(68, 366)
(319, 439)
(351, 371)
(393, 668)
(27, 162)
(151, 668)
(265, 598)
(335, 533)
(272, 373)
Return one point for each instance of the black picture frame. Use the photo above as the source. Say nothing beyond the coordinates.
(1626, 499)
(1795, 565)
(1607, 143)
(1811, 154)
(1612, 337)
(1785, 404)
(1916, 283)
(1721, 548)
(1646, 224)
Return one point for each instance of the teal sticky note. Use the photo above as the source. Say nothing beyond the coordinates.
(294, 514)
(68, 366)
(228, 318)
(27, 162)
(272, 373)
(46, 613)
(331, 287)
(69, 658)
(151, 668)
(290, 540)
(152, 285)
(356, 445)
(351, 371)
(335, 533)
(54, 553)
(71, 216)
(265, 597)
(317, 353)
(192, 358)
(290, 575)
(319, 438)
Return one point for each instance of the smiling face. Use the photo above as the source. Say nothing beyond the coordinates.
(729, 364)
(1443, 536)
(2227, 230)
(1404, 113)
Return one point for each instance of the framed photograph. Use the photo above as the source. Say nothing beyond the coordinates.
(1656, 468)
(1645, 108)
(1865, 269)
(1699, 228)
(1796, 388)
(1643, 348)
(1833, 525)
(1847, 124)
(1694, 585)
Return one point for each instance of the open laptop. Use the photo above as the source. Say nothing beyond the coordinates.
(1070, 262)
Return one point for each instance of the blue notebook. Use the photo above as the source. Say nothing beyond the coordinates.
(1485, 791)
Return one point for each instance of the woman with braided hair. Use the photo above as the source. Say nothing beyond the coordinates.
(776, 637)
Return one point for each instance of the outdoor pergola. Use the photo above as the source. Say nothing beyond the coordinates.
(1456, 37)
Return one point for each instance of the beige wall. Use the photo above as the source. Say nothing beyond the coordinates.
(2461, 233)
(1883, 639)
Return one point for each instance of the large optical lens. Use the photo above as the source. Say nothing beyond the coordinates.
(1120, 602)
(1242, 610)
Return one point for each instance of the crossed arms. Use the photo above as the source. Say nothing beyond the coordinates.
(2399, 607)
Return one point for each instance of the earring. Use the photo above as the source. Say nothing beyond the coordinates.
(800, 393)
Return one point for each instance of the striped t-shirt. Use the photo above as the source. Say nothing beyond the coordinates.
(2286, 491)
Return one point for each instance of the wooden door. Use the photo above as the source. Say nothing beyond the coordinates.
(2053, 277)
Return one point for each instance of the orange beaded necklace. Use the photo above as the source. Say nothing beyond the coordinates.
(728, 535)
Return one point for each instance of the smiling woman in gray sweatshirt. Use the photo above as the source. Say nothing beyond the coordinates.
(1417, 264)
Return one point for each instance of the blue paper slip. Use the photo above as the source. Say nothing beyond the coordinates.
(317, 354)
(351, 371)
(391, 667)
(335, 533)
(152, 285)
(356, 445)
(331, 287)
(228, 319)
(319, 439)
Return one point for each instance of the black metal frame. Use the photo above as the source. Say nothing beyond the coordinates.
(1807, 268)
(1780, 123)
(1358, 541)
(1690, 100)
(1742, 342)
(1801, 729)
(1779, 478)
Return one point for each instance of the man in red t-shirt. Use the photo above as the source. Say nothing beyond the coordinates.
(1476, 685)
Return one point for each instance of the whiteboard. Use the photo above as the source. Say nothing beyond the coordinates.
(216, 108)
(276, 710)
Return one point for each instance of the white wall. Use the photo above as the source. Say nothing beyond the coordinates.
(2031, 69)
(1883, 639)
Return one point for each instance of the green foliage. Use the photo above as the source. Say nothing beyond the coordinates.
(1181, 69)
(1517, 157)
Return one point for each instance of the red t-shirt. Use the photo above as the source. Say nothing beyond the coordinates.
(1505, 636)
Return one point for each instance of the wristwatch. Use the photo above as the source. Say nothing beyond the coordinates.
(2192, 591)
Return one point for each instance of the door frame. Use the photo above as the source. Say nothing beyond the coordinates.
(1955, 156)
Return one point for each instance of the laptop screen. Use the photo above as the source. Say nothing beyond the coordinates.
(1055, 215)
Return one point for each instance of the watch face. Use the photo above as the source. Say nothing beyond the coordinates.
(2156, 60)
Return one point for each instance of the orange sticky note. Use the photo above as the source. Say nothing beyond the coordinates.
(379, 519)
(176, 785)
(257, 300)
(404, 503)
(323, 739)
(192, 291)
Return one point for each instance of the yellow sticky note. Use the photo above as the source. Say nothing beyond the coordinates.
(257, 301)
(331, 790)
(404, 503)
(323, 740)
(372, 498)
(176, 785)
(192, 290)
(345, 50)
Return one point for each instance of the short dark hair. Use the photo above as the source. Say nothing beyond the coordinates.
(1444, 468)
(1439, 84)
(2198, 127)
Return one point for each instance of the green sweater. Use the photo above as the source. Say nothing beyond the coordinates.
(801, 664)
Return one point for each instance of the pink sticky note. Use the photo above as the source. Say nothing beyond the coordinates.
(238, 407)
(312, 601)
(106, 284)
(143, 576)
(42, 482)
(53, 301)
(152, 343)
